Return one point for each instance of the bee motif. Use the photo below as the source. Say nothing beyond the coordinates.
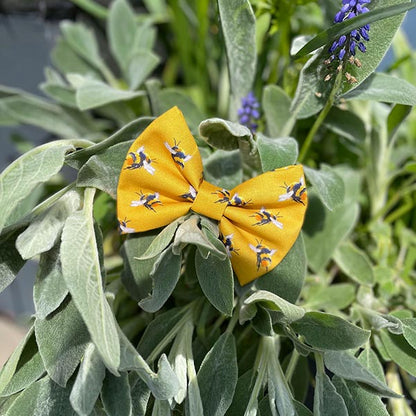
(191, 195)
(295, 191)
(228, 243)
(178, 155)
(237, 201)
(264, 255)
(223, 196)
(139, 159)
(122, 225)
(264, 217)
(147, 200)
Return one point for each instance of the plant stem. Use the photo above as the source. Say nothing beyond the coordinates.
(309, 138)
(292, 365)
(92, 8)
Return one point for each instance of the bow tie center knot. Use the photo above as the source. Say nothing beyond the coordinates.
(211, 201)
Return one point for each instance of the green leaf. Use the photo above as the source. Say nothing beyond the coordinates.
(158, 329)
(273, 302)
(42, 398)
(88, 384)
(62, 356)
(374, 88)
(29, 368)
(280, 395)
(82, 273)
(324, 230)
(375, 15)
(348, 367)
(359, 402)
(223, 134)
(165, 275)
(164, 385)
(31, 110)
(329, 332)
(238, 25)
(397, 116)
(121, 29)
(49, 289)
(93, 93)
(336, 297)
(63, 94)
(217, 376)
(409, 331)
(354, 263)
(140, 66)
(286, 280)
(328, 185)
(190, 233)
(43, 233)
(140, 395)
(161, 241)
(82, 40)
(10, 260)
(136, 273)
(400, 351)
(9, 368)
(68, 61)
(241, 398)
(19, 179)
(276, 107)
(276, 153)
(327, 401)
(347, 124)
(103, 170)
(116, 396)
(129, 132)
(301, 409)
(216, 279)
(223, 168)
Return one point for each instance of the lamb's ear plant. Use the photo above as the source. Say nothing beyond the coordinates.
(155, 323)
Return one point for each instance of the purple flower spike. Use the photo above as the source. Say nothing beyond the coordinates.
(346, 44)
(248, 114)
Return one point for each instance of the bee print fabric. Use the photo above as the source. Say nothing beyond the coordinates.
(162, 180)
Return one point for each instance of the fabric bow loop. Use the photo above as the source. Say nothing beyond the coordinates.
(162, 180)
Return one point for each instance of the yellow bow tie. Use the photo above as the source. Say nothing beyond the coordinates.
(162, 179)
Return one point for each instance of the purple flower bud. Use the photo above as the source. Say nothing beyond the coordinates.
(353, 3)
(342, 40)
(345, 7)
(339, 17)
(244, 119)
(341, 54)
(352, 47)
(333, 47)
(364, 34)
(248, 113)
(362, 47)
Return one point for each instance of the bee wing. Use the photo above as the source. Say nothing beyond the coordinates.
(254, 248)
(229, 236)
(278, 224)
(169, 148)
(149, 168)
(137, 203)
(285, 197)
(272, 252)
(187, 157)
(140, 150)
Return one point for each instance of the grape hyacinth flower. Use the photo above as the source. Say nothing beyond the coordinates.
(346, 45)
(248, 113)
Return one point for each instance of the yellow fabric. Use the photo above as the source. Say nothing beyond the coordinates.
(162, 179)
